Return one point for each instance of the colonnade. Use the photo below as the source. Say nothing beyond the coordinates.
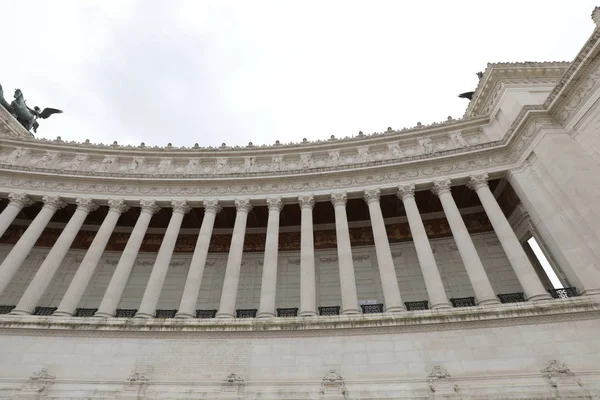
(484, 293)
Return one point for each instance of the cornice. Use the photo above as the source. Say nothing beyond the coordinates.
(557, 310)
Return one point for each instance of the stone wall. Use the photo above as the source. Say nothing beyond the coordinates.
(412, 286)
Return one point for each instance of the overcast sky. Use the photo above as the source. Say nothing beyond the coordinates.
(209, 72)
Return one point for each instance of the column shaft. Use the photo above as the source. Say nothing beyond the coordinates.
(17, 202)
(234, 261)
(308, 290)
(387, 271)
(163, 260)
(81, 280)
(479, 280)
(514, 251)
(44, 275)
(114, 292)
(429, 268)
(187, 307)
(345, 262)
(21, 250)
(268, 288)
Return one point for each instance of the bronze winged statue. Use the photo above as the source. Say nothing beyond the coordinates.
(25, 115)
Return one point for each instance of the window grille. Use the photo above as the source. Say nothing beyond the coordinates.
(6, 309)
(126, 312)
(329, 310)
(85, 312)
(202, 314)
(463, 302)
(44, 310)
(518, 297)
(417, 305)
(246, 313)
(563, 293)
(371, 308)
(166, 313)
(287, 312)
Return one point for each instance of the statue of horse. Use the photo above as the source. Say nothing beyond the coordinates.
(27, 116)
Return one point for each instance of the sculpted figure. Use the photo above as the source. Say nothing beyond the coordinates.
(78, 161)
(305, 160)
(25, 115)
(45, 160)
(426, 144)
(106, 164)
(334, 157)
(16, 154)
(276, 163)
(192, 166)
(395, 150)
(249, 164)
(363, 154)
(458, 139)
(221, 165)
(163, 165)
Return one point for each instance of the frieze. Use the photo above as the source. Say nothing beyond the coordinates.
(255, 242)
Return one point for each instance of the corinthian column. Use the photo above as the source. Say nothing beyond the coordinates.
(19, 252)
(389, 280)
(308, 290)
(479, 280)
(234, 261)
(18, 201)
(163, 259)
(429, 268)
(113, 294)
(345, 263)
(54, 259)
(193, 282)
(88, 265)
(514, 251)
(268, 286)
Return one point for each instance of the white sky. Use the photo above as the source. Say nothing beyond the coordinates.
(209, 72)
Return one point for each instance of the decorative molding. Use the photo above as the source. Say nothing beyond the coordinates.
(53, 202)
(371, 195)
(212, 206)
(339, 199)
(20, 199)
(149, 206)
(307, 201)
(86, 204)
(440, 381)
(118, 205)
(441, 186)
(478, 181)
(405, 191)
(180, 206)
(333, 384)
(275, 204)
(243, 205)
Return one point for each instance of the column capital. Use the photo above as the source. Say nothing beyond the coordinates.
(149, 206)
(441, 186)
(181, 206)
(275, 204)
(371, 195)
(243, 205)
(53, 202)
(405, 191)
(118, 205)
(307, 201)
(478, 181)
(20, 199)
(86, 204)
(212, 206)
(339, 199)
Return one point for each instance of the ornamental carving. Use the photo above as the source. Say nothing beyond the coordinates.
(405, 191)
(118, 205)
(440, 381)
(38, 382)
(249, 164)
(149, 206)
(559, 376)
(307, 201)
(276, 163)
(305, 160)
(333, 382)
(243, 205)
(339, 199)
(20, 199)
(78, 161)
(53, 202)
(371, 195)
(478, 181)
(441, 186)
(211, 206)
(86, 204)
(46, 159)
(275, 204)
(136, 377)
(181, 206)
(458, 140)
(394, 150)
(17, 154)
(363, 154)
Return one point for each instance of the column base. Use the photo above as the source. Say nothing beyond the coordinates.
(265, 315)
(489, 302)
(224, 315)
(395, 309)
(184, 316)
(590, 292)
(103, 315)
(60, 313)
(308, 314)
(441, 306)
(351, 311)
(540, 297)
(19, 312)
(143, 315)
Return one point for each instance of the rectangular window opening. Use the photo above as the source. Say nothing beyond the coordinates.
(539, 254)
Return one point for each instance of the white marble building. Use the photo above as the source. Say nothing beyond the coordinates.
(394, 265)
